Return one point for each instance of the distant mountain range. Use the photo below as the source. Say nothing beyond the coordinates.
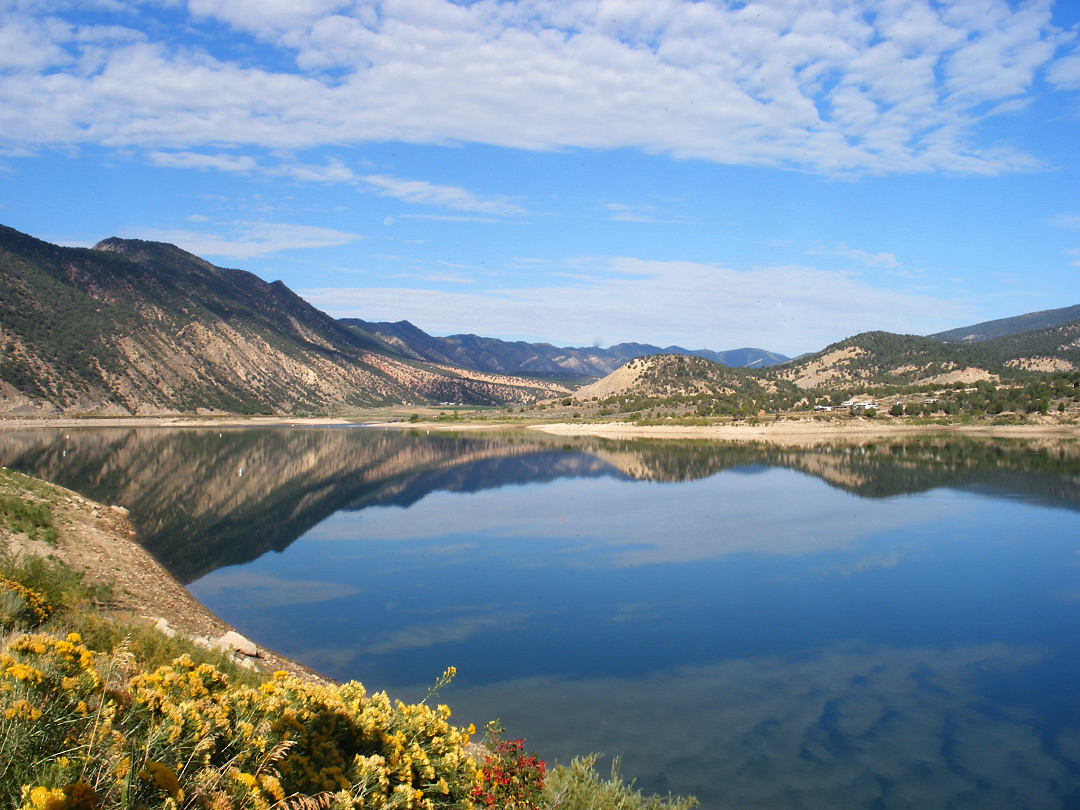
(537, 359)
(134, 327)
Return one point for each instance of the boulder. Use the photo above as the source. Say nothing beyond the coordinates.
(234, 642)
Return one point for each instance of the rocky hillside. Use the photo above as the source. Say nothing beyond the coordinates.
(1035, 371)
(534, 359)
(133, 327)
(882, 358)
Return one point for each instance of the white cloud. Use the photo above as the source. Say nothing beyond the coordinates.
(334, 171)
(421, 192)
(1065, 73)
(619, 212)
(834, 86)
(885, 260)
(1067, 221)
(789, 309)
(195, 160)
(245, 240)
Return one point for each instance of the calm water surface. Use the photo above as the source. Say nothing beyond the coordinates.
(891, 625)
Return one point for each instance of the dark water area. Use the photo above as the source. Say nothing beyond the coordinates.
(860, 626)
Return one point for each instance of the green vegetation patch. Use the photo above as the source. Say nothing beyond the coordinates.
(35, 520)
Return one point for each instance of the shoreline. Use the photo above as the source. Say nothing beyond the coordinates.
(784, 432)
(99, 540)
(800, 432)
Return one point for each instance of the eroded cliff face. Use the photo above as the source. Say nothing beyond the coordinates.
(145, 328)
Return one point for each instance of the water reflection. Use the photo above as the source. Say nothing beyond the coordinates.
(835, 727)
(203, 499)
(889, 625)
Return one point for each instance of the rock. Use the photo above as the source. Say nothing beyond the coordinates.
(162, 626)
(120, 510)
(234, 641)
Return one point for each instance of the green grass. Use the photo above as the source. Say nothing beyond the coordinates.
(578, 786)
(35, 520)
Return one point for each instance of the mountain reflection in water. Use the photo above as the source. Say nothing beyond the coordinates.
(861, 625)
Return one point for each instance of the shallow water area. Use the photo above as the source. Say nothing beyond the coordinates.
(861, 625)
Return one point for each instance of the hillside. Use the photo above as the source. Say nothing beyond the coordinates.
(882, 358)
(537, 359)
(1027, 372)
(1010, 326)
(134, 327)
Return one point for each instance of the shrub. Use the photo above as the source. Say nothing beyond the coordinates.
(21, 607)
(32, 519)
(75, 723)
(509, 778)
(579, 787)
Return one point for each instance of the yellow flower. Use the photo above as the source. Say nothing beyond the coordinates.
(123, 768)
(24, 672)
(23, 710)
(164, 777)
(43, 798)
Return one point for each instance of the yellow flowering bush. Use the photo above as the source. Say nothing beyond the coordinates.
(90, 734)
(21, 605)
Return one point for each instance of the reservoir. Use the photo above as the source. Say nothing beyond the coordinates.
(885, 625)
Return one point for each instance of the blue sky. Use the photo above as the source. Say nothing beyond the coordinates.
(780, 174)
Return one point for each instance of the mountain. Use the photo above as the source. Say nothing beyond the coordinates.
(1010, 326)
(536, 359)
(135, 327)
(883, 358)
(1021, 373)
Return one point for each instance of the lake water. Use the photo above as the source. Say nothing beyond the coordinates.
(866, 626)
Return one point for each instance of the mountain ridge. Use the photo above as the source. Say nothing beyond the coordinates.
(520, 357)
(1002, 327)
(1024, 372)
(150, 329)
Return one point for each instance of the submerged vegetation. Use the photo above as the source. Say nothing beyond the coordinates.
(101, 712)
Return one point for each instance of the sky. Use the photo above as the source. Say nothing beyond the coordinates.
(714, 174)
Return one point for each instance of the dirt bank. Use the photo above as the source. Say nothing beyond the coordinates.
(99, 539)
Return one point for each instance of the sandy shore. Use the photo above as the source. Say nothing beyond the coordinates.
(804, 432)
(784, 431)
